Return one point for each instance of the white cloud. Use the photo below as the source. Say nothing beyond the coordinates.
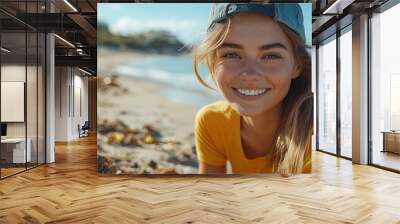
(188, 31)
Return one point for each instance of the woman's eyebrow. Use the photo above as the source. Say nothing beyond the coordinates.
(263, 47)
(230, 45)
(273, 45)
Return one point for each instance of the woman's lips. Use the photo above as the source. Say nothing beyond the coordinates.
(251, 94)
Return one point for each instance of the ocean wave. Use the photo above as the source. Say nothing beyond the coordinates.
(172, 71)
(176, 74)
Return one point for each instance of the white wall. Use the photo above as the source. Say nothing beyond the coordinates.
(14, 73)
(70, 83)
(61, 104)
(33, 126)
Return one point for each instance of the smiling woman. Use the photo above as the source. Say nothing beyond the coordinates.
(257, 57)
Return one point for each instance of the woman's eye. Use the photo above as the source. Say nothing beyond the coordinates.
(231, 55)
(271, 57)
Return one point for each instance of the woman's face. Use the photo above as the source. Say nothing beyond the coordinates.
(255, 64)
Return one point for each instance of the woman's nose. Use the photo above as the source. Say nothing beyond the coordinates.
(250, 72)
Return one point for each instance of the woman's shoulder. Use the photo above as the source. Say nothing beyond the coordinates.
(217, 111)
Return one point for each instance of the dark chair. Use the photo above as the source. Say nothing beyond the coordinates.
(84, 130)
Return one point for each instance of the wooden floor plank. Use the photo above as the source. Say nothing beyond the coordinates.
(70, 191)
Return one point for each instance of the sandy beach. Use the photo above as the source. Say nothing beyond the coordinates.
(140, 130)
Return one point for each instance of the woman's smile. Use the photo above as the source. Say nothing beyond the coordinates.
(250, 93)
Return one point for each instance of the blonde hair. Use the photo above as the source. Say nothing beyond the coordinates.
(206, 51)
(295, 130)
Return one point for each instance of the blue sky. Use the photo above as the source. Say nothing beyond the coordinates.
(186, 20)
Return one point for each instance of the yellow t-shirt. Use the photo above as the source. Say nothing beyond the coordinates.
(217, 132)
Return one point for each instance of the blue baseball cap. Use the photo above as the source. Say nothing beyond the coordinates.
(289, 14)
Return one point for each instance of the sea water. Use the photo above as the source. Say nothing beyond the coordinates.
(177, 76)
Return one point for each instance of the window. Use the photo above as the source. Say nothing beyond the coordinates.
(346, 93)
(327, 96)
(313, 89)
(385, 89)
(22, 74)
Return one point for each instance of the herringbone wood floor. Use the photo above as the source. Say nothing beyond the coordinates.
(70, 191)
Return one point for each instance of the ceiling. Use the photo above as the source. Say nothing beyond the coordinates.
(332, 15)
(76, 21)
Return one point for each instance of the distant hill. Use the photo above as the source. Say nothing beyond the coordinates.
(155, 41)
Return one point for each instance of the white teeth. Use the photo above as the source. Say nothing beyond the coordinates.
(248, 92)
